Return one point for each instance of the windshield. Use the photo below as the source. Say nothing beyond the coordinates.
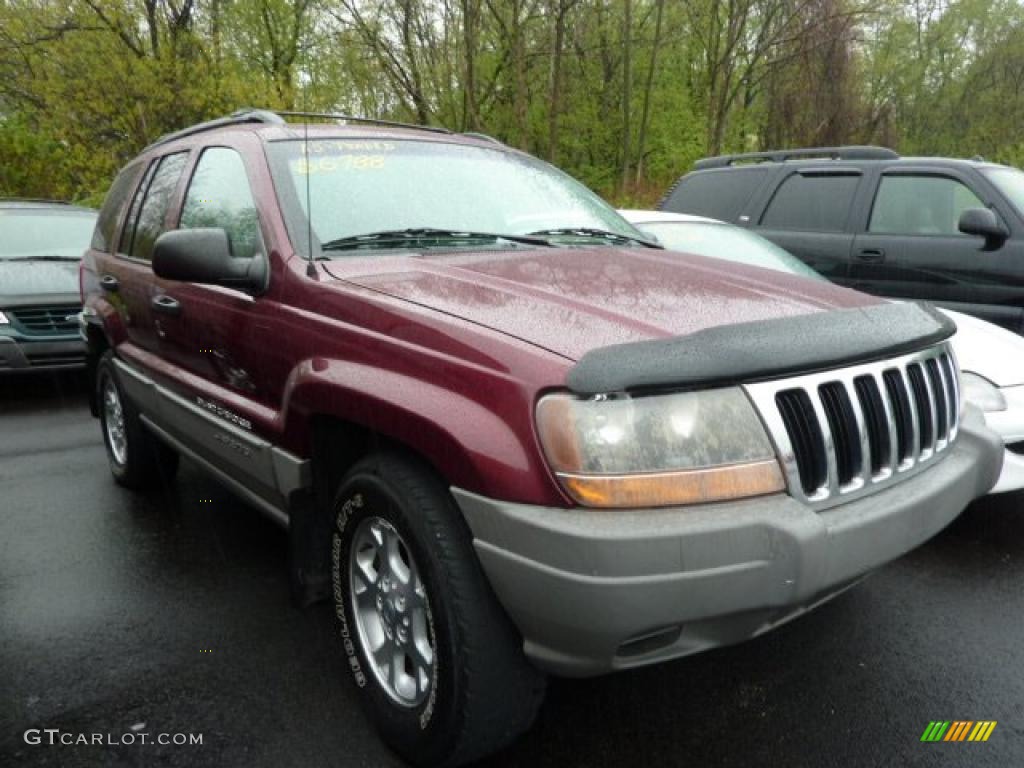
(724, 241)
(1010, 182)
(26, 233)
(365, 186)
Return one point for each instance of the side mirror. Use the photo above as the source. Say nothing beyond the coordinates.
(204, 256)
(983, 222)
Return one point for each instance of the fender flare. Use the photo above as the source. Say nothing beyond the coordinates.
(459, 436)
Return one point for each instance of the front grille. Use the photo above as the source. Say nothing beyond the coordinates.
(47, 320)
(54, 358)
(842, 433)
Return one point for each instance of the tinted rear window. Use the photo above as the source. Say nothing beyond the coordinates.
(147, 220)
(106, 225)
(716, 194)
(811, 202)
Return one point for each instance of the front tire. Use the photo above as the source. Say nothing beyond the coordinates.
(439, 665)
(138, 460)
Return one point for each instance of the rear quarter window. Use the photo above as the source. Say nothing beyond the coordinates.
(106, 224)
(812, 202)
(716, 194)
(146, 219)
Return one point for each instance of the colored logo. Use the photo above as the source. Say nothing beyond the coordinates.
(958, 730)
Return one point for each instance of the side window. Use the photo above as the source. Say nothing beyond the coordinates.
(219, 196)
(149, 223)
(718, 194)
(125, 245)
(814, 202)
(106, 224)
(920, 205)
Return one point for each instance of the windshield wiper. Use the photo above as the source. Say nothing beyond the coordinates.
(417, 234)
(598, 234)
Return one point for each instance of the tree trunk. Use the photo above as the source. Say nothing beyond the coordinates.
(520, 98)
(470, 20)
(627, 76)
(648, 87)
(559, 9)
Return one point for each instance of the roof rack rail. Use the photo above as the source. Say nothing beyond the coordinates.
(482, 137)
(274, 117)
(854, 152)
(238, 117)
(363, 120)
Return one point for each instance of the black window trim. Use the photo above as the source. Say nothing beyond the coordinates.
(829, 172)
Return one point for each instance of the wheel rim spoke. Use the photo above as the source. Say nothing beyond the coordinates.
(423, 653)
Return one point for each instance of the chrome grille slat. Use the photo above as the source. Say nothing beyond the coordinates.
(946, 368)
(915, 420)
(902, 417)
(938, 390)
(890, 420)
(867, 455)
(836, 395)
(929, 438)
(832, 475)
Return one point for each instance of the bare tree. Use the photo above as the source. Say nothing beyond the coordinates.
(645, 112)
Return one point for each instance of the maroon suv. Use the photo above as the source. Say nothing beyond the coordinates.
(507, 434)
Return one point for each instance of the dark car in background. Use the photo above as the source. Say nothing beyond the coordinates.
(41, 245)
(944, 230)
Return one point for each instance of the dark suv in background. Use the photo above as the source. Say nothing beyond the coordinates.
(41, 247)
(944, 230)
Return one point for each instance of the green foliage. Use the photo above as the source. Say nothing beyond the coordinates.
(84, 86)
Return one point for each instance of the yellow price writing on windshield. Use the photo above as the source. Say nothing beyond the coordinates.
(335, 163)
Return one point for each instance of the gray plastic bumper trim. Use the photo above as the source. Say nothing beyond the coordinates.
(585, 587)
(259, 471)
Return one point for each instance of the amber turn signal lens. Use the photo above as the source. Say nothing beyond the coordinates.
(662, 489)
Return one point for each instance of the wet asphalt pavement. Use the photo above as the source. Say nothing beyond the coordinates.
(172, 611)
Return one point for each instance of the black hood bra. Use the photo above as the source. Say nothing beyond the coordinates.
(743, 352)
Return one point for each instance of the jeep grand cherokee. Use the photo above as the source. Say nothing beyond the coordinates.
(507, 434)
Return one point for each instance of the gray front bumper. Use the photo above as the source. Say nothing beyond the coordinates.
(597, 590)
(47, 354)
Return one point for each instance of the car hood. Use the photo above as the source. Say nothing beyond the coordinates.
(28, 282)
(572, 300)
(986, 349)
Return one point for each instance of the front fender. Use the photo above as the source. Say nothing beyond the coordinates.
(480, 438)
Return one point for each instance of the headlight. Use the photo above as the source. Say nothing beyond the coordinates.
(982, 392)
(684, 448)
(3, 319)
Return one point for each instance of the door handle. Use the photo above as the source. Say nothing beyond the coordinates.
(165, 304)
(872, 254)
(109, 283)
